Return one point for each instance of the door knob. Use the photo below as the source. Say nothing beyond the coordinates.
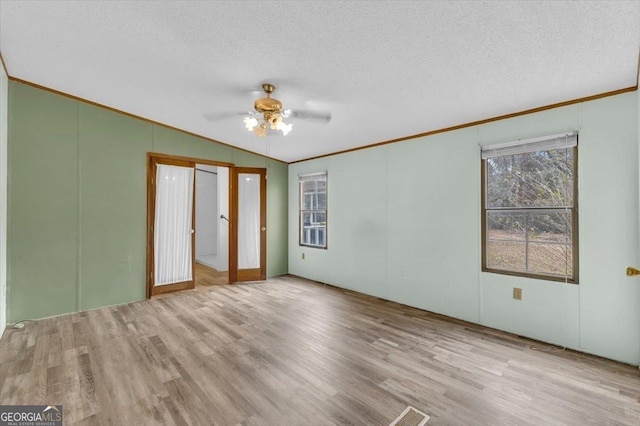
(264, 229)
(631, 272)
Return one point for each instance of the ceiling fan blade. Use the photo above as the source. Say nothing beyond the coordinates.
(320, 116)
(215, 116)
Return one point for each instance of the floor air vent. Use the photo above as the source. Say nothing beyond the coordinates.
(410, 417)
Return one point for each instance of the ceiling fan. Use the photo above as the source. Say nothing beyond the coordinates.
(269, 113)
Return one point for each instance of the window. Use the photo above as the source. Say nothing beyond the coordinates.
(529, 208)
(313, 209)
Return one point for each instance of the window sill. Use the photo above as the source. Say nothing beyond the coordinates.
(534, 276)
(312, 246)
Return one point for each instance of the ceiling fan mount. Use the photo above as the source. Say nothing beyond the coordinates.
(268, 88)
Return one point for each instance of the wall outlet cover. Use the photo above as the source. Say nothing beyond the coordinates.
(517, 293)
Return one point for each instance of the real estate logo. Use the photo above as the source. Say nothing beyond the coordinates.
(30, 415)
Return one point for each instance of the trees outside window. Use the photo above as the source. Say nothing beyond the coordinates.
(530, 209)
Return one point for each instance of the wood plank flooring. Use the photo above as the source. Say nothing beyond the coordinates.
(206, 276)
(292, 352)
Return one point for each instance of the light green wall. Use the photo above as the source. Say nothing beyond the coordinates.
(404, 225)
(77, 202)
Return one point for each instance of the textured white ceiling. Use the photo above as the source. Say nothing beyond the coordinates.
(385, 69)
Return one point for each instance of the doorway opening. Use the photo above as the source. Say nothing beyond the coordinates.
(212, 225)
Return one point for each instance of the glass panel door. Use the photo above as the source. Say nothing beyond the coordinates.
(250, 220)
(173, 225)
(171, 216)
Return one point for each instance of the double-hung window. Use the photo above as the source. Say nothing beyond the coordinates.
(529, 208)
(313, 209)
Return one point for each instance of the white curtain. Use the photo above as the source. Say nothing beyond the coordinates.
(248, 221)
(172, 230)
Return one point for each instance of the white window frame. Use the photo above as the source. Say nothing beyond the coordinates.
(316, 229)
(567, 140)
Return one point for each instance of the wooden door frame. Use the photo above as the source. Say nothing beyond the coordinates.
(234, 274)
(154, 158)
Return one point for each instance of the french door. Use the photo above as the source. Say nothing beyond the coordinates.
(171, 219)
(249, 225)
(171, 223)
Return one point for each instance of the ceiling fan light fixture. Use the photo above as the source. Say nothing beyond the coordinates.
(261, 130)
(250, 123)
(284, 128)
(274, 120)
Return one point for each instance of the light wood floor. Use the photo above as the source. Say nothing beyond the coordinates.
(292, 352)
(206, 276)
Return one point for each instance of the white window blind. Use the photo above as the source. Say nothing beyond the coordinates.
(561, 140)
(312, 176)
